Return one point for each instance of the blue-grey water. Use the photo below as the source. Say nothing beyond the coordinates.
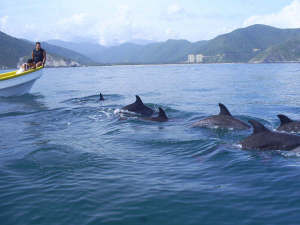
(67, 158)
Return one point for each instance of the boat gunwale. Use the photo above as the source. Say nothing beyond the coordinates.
(12, 74)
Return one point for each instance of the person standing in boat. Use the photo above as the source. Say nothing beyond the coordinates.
(39, 55)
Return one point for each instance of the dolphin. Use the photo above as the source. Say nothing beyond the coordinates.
(223, 120)
(101, 98)
(265, 139)
(288, 125)
(139, 107)
(162, 117)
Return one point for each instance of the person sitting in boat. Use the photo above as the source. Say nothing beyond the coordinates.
(27, 66)
(39, 55)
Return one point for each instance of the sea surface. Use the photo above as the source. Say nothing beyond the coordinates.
(67, 158)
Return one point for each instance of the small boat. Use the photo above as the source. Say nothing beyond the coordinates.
(16, 83)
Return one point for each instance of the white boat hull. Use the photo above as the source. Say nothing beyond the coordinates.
(19, 85)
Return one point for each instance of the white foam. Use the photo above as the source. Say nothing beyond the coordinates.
(293, 153)
(125, 112)
(117, 111)
(237, 145)
(107, 114)
(21, 70)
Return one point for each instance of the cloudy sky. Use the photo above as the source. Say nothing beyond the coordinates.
(116, 21)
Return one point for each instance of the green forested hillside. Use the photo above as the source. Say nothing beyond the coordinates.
(13, 49)
(288, 51)
(244, 44)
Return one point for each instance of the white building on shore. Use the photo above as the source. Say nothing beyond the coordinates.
(199, 58)
(195, 58)
(191, 58)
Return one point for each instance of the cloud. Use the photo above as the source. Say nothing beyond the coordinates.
(68, 27)
(7, 26)
(288, 17)
(175, 12)
(3, 23)
(171, 34)
(119, 27)
(117, 24)
(122, 26)
(174, 9)
(116, 29)
(75, 19)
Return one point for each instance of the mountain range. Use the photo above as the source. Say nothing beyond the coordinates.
(253, 44)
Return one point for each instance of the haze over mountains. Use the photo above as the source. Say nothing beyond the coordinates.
(253, 44)
(257, 43)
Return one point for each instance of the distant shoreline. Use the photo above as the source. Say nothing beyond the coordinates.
(156, 64)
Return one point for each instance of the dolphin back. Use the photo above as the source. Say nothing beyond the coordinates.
(101, 98)
(258, 127)
(284, 119)
(223, 120)
(264, 139)
(139, 107)
(162, 114)
(162, 117)
(288, 125)
(223, 110)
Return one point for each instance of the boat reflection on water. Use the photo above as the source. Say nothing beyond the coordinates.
(15, 105)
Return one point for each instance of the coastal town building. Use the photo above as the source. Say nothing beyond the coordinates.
(191, 58)
(195, 58)
(199, 58)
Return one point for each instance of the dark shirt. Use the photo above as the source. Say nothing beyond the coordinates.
(38, 56)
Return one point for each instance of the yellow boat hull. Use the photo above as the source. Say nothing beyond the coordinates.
(15, 84)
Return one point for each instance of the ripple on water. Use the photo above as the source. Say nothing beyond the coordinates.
(67, 158)
(93, 99)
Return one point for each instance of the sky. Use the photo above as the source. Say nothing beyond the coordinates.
(112, 22)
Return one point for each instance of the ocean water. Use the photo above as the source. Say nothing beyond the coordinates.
(66, 158)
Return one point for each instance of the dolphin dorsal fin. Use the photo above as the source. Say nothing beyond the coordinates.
(138, 100)
(223, 110)
(101, 97)
(162, 113)
(258, 127)
(284, 119)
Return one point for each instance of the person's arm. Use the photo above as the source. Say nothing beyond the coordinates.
(32, 55)
(44, 58)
